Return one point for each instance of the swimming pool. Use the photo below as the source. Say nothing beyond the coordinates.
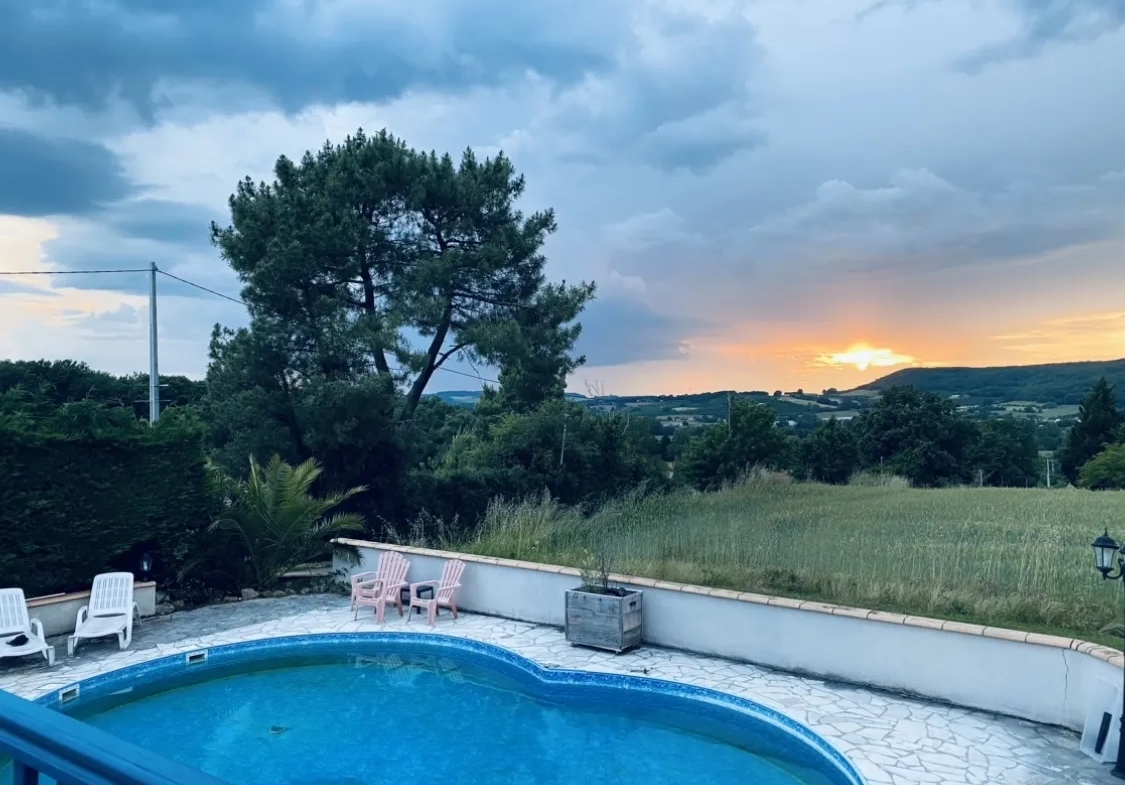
(360, 709)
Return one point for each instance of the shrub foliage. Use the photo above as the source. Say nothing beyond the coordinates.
(76, 504)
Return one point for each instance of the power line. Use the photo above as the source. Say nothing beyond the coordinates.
(476, 376)
(202, 288)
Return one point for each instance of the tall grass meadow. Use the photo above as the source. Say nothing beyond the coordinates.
(1003, 557)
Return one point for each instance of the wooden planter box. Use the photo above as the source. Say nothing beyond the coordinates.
(604, 621)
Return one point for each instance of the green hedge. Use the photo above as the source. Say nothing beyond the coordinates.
(71, 507)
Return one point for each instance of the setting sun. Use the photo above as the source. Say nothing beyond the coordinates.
(864, 356)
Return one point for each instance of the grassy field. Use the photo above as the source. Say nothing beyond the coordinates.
(1001, 557)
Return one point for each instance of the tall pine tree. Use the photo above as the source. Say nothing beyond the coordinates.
(1098, 420)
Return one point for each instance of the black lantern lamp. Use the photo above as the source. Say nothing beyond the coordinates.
(1105, 548)
(146, 565)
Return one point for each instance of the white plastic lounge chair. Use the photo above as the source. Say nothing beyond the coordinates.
(444, 594)
(16, 626)
(111, 611)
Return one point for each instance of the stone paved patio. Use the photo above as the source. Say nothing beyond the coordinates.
(892, 740)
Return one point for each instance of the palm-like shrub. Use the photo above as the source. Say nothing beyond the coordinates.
(280, 523)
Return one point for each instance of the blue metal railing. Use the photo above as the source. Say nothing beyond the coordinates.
(41, 741)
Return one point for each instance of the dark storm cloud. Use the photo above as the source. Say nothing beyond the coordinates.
(685, 102)
(41, 176)
(1044, 22)
(919, 221)
(112, 325)
(699, 152)
(1047, 22)
(863, 239)
(163, 221)
(621, 330)
(90, 247)
(85, 54)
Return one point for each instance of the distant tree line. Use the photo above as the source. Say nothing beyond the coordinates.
(917, 435)
(67, 381)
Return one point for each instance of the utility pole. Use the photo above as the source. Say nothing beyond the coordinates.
(153, 368)
(562, 447)
(730, 407)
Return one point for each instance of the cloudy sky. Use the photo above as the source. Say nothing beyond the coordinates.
(769, 193)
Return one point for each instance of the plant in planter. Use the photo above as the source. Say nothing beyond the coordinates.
(600, 615)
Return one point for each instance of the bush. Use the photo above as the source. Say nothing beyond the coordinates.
(454, 501)
(870, 479)
(79, 503)
(281, 524)
(1106, 470)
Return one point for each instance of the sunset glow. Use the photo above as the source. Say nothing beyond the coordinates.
(863, 356)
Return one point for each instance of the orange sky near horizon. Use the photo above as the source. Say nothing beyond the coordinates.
(1054, 307)
(815, 366)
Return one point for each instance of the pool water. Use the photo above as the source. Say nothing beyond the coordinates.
(396, 717)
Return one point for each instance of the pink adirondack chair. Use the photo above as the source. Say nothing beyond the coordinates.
(366, 577)
(444, 591)
(387, 588)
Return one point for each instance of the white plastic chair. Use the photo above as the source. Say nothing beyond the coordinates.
(14, 622)
(111, 611)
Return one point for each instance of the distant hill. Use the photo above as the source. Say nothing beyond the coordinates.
(695, 409)
(1061, 383)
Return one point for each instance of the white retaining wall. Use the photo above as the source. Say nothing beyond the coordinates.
(1042, 678)
(59, 612)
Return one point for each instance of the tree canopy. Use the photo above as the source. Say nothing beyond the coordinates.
(830, 453)
(723, 453)
(1097, 426)
(1006, 453)
(357, 248)
(917, 435)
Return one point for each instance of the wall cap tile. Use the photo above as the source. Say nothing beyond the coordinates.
(924, 621)
(691, 588)
(962, 627)
(818, 607)
(887, 618)
(1057, 641)
(725, 594)
(1005, 634)
(751, 597)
